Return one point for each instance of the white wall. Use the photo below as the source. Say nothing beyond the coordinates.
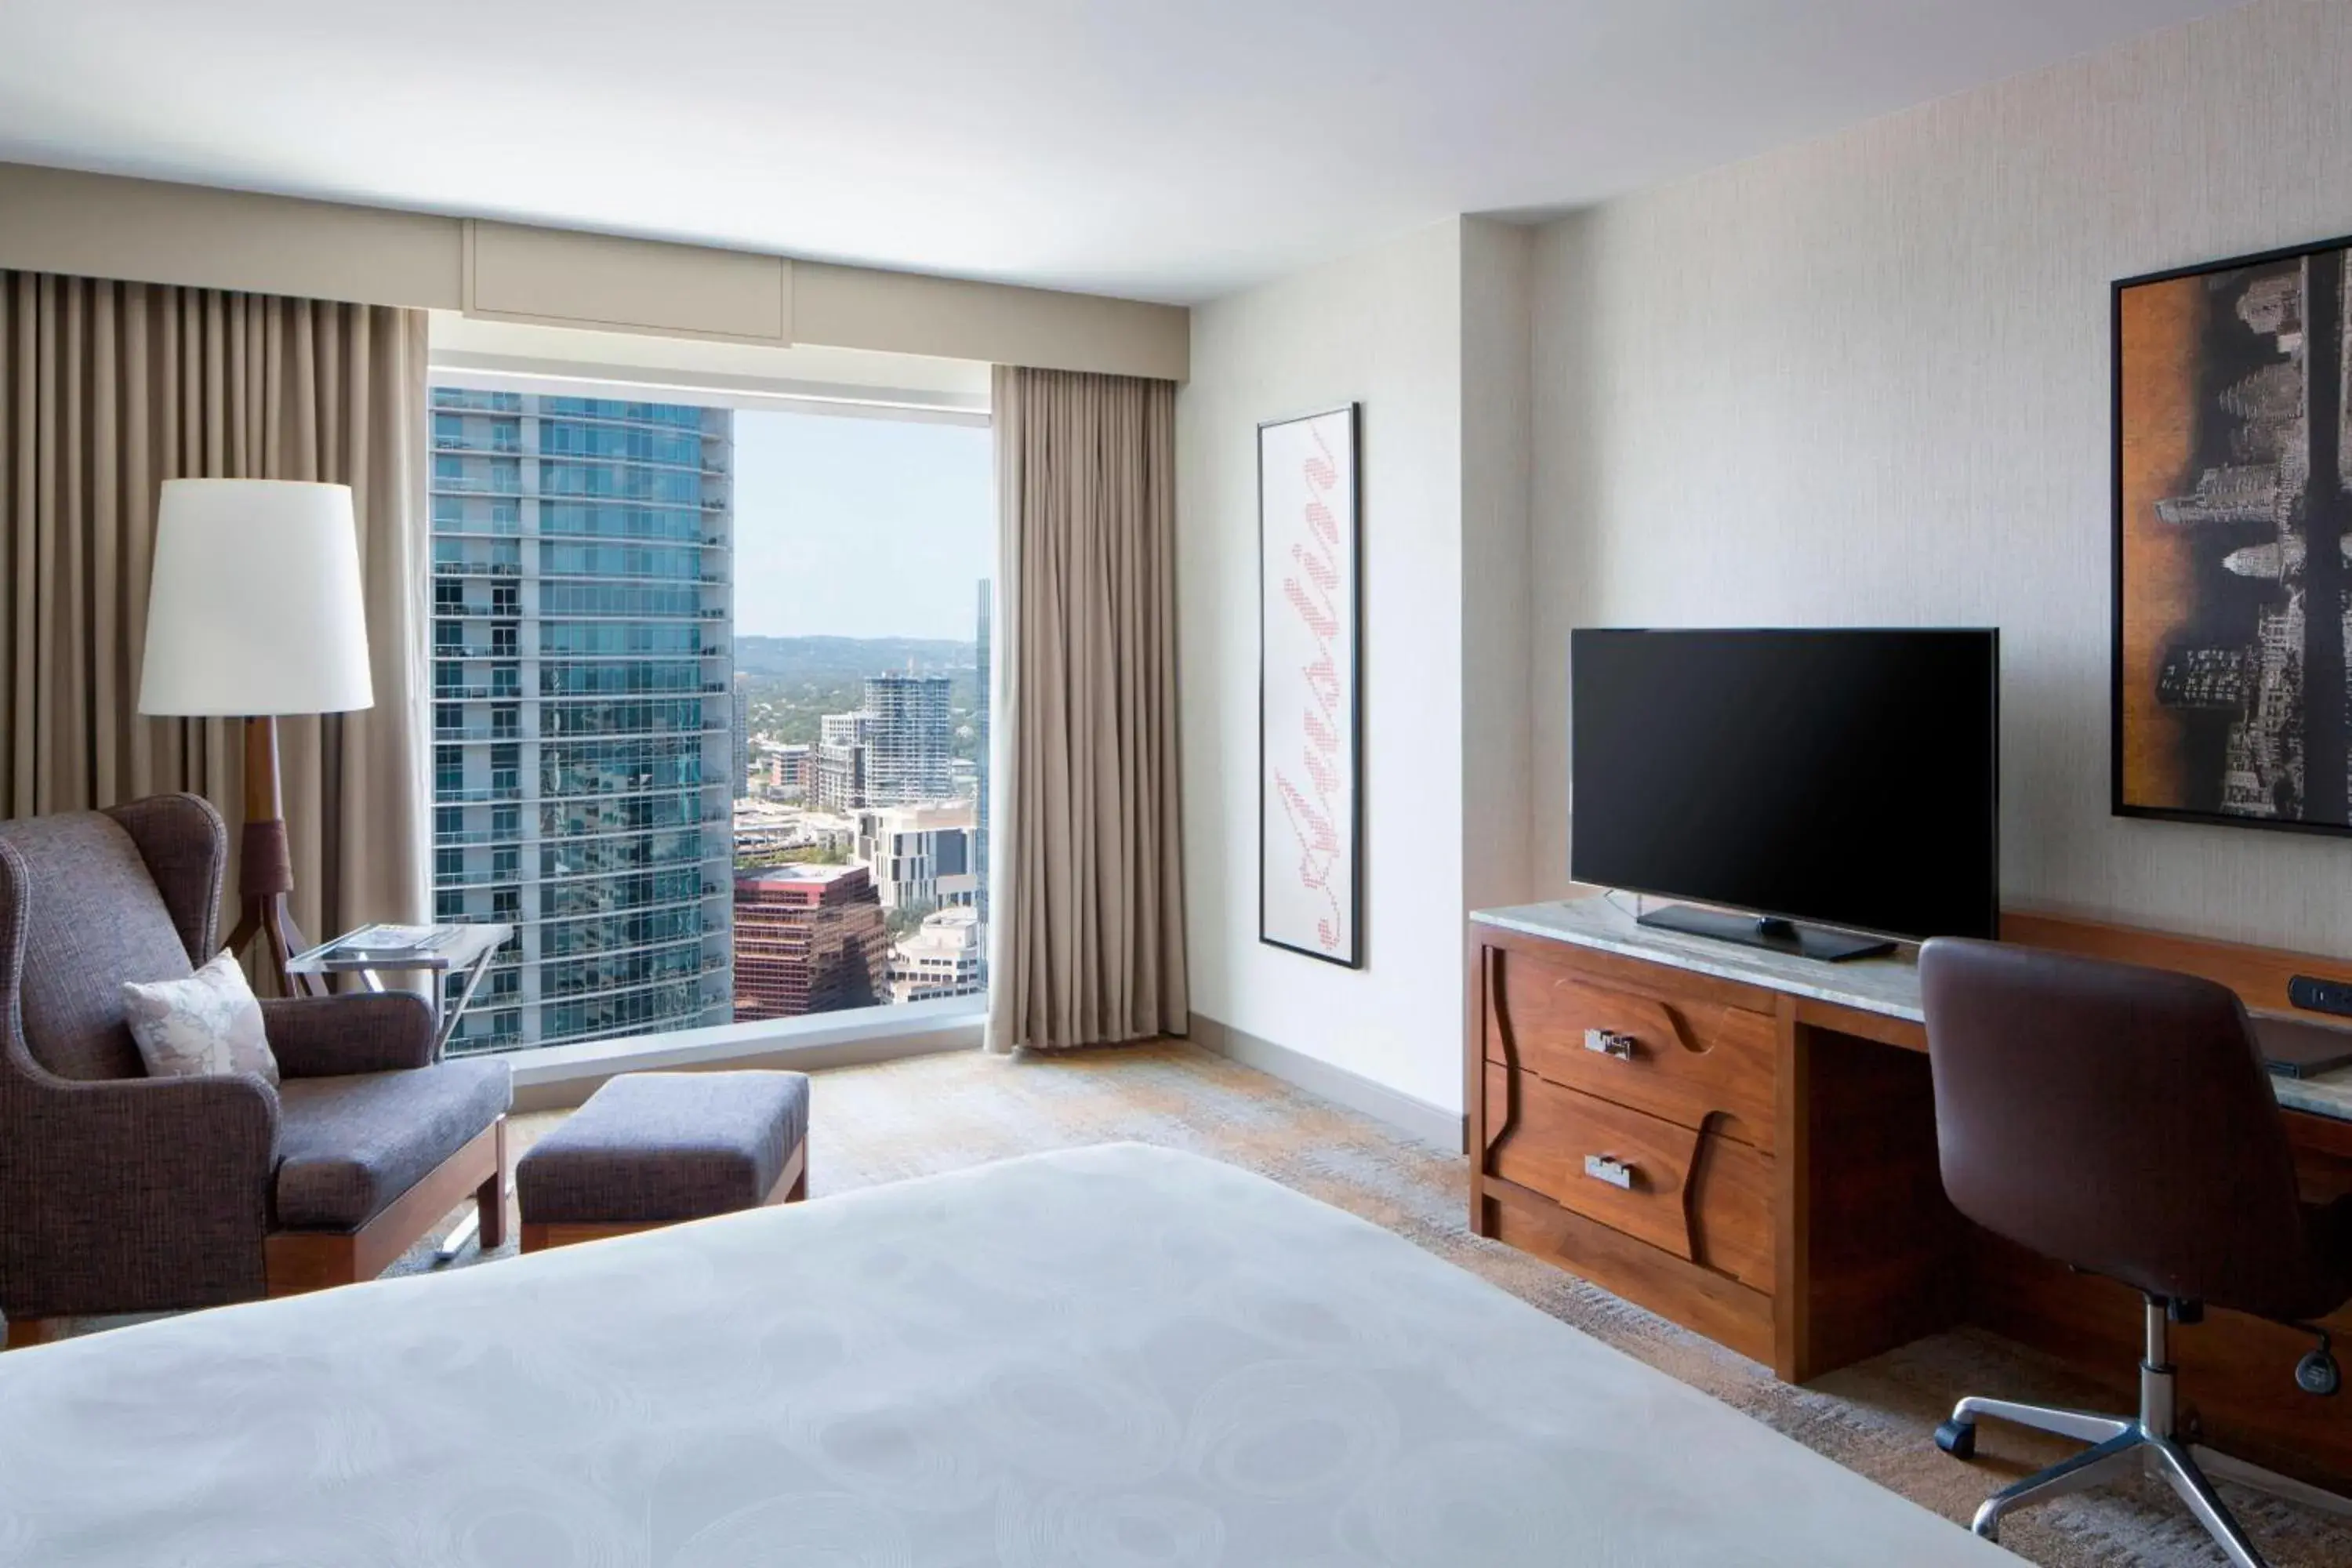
(1865, 381)
(1383, 328)
(1430, 332)
(1497, 595)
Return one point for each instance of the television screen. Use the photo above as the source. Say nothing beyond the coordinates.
(1846, 777)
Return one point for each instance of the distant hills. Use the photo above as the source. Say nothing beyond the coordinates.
(832, 661)
(793, 682)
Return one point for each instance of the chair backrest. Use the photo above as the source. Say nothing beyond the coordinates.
(2116, 1119)
(92, 916)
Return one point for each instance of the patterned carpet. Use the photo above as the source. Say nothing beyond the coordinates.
(936, 1113)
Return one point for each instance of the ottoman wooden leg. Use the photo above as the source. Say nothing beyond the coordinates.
(24, 1332)
(539, 1237)
(792, 1182)
(490, 1197)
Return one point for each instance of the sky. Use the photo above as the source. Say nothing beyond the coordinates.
(860, 528)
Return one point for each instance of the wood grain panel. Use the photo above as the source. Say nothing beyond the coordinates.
(1902, 1033)
(1554, 1129)
(1885, 1260)
(1698, 1063)
(1475, 1128)
(24, 1333)
(2323, 1156)
(1635, 977)
(1729, 1202)
(1792, 1196)
(1709, 1303)
(1702, 1198)
(2258, 974)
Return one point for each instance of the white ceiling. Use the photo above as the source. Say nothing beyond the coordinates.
(1162, 149)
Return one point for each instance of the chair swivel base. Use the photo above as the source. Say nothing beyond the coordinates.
(2122, 1448)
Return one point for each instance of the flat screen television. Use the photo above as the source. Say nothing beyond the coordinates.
(1839, 778)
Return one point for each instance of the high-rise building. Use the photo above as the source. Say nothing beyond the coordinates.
(897, 750)
(910, 740)
(920, 855)
(808, 939)
(582, 656)
(841, 758)
(791, 769)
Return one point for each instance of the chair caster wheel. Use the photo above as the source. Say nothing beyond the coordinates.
(2318, 1374)
(1957, 1438)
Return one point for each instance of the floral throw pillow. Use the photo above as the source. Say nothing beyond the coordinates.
(209, 1022)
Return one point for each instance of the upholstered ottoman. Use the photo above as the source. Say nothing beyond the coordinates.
(651, 1149)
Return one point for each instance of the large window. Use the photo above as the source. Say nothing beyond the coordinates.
(709, 710)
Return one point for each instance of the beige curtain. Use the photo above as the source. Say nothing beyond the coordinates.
(1086, 940)
(106, 390)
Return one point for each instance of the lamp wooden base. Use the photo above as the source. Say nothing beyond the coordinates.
(265, 868)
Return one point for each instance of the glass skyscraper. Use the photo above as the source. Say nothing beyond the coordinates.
(584, 709)
(908, 739)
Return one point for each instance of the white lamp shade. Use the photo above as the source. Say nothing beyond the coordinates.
(256, 606)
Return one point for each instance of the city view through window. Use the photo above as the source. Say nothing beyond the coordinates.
(709, 713)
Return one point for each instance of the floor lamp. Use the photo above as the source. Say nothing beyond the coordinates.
(254, 612)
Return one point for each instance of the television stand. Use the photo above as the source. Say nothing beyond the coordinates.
(1768, 932)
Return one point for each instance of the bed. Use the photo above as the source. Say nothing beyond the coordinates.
(1109, 1356)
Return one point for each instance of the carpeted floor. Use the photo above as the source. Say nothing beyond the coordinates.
(935, 1113)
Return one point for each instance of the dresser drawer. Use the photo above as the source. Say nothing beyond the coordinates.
(1683, 1060)
(1697, 1195)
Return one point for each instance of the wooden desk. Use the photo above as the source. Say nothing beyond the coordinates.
(1745, 1142)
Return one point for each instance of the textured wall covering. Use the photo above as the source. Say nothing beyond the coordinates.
(1865, 381)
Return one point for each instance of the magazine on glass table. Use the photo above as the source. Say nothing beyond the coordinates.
(383, 942)
(388, 946)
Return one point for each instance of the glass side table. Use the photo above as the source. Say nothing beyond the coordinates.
(461, 953)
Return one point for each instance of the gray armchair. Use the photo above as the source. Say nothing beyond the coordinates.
(120, 1193)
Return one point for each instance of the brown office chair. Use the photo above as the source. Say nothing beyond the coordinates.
(2119, 1119)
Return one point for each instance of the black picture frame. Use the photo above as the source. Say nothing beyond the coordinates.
(1352, 619)
(2118, 521)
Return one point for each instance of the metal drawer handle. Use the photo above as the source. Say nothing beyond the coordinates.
(1606, 1168)
(1610, 1043)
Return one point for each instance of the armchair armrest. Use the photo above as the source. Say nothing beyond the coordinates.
(329, 1036)
(136, 1194)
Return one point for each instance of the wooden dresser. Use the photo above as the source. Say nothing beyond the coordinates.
(1745, 1143)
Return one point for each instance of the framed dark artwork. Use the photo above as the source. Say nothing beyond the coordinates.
(2232, 521)
(1311, 752)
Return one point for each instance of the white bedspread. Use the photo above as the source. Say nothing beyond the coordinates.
(1106, 1357)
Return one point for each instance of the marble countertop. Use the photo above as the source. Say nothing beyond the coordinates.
(1888, 986)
